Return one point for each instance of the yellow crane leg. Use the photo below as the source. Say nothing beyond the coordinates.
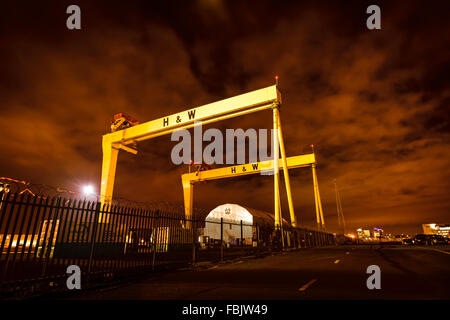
(276, 170)
(320, 208)
(318, 202)
(188, 192)
(110, 155)
(316, 199)
(294, 162)
(286, 173)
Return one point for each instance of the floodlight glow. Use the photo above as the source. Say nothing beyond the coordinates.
(88, 190)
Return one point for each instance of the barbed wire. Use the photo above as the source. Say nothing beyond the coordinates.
(46, 191)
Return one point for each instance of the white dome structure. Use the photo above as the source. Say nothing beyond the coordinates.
(232, 215)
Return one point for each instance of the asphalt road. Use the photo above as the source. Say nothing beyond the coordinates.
(319, 273)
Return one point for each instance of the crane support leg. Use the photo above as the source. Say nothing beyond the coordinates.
(318, 202)
(110, 155)
(286, 173)
(188, 192)
(320, 209)
(276, 170)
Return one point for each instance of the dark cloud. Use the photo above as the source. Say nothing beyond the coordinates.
(375, 103)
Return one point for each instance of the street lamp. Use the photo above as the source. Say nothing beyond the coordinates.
(4, 189)
(88, 190)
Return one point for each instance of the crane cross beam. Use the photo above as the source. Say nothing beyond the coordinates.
(231, 106)
(246, 169)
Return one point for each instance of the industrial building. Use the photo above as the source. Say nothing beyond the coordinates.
(434, 228)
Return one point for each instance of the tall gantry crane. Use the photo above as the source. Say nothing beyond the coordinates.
(301, 161)
(268, 98)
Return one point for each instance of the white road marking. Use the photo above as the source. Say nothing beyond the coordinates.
(347, 252)
(304, 287)
(441, 251)
(337, 261)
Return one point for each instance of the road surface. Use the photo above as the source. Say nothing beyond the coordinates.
(314, 273)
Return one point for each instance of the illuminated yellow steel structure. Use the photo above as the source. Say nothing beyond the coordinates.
(306, 160)
(258, 100)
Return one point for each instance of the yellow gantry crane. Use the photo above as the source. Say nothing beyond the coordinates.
(301, 161)
(254, 101)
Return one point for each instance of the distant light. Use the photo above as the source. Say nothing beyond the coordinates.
(88, 190)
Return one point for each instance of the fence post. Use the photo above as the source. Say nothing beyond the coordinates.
(54, 217)
(257, 235)
(242, 235)
(193, 241)
(154, 238)
(3, 244)
(94, 236)
(221, 239)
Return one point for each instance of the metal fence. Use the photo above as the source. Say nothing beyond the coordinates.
(41, 237)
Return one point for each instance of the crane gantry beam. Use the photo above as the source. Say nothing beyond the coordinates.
(301, 161)
(231, 107)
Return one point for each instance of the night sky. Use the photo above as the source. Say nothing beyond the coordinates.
(374, 103)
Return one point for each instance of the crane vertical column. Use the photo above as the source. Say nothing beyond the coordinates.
(285, 172)
(110, 155)
(320, 207)
(318, 202)
(276, 169)
(188, 192)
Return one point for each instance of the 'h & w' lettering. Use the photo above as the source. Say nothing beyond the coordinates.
(191, 114)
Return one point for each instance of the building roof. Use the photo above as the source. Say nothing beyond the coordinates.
(260, 217)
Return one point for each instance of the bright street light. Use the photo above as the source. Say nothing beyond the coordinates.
(88, 190)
